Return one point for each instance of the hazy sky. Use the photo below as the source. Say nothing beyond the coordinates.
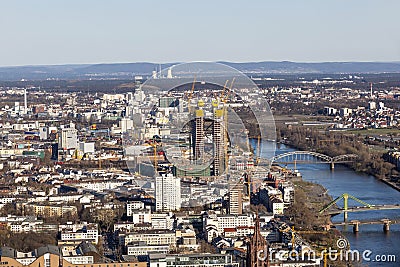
(96, 31)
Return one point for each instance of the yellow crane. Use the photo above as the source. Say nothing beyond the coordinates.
(258, 150)
(154, 145)
(293, 232)
(191, 95)
(225, 100)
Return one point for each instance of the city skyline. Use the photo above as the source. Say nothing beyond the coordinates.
(47, 33)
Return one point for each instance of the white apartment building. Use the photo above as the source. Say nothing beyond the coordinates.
(215, 225)
(69, 138)
(168, 193)
(76, 233)
(132, 206)
(149, 237)
(155, 220)
(141, 248)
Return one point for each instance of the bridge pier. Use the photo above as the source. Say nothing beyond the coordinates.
(345, 216)
(356, 227)
(332, 165)
(386, 226)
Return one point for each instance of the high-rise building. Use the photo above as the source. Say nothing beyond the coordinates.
(168, 193)
(218, 139)
(235, 199)
(69, 138)
(198, 135)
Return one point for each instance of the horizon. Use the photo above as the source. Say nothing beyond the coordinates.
(45, 32)
(178, 62)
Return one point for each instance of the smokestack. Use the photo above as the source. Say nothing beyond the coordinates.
(371, 90)
(25, 102)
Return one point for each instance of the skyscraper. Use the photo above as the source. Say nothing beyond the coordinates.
(235, 199)
(218, 139)
(198, 135)
(168, 193)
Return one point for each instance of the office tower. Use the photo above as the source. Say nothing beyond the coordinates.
(69, 138)
(235, 199)
(218, 139)
(54, 151)
(168, 193)
(198, 135)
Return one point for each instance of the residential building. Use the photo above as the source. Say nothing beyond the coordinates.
(168, 193)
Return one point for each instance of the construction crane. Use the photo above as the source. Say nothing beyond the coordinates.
(294, 232)
(225, 112)
(324, 253)
(258, 155)
(191, 95)
(154, 145)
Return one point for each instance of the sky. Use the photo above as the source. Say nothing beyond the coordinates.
(48, 32)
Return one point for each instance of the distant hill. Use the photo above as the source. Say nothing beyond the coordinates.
(128, 70)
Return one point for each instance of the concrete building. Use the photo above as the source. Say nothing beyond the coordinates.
(372, 105)
(168, 193)
(150, 237)
(142, 248)
(193, 260)
(51, 210)
(49, 256)
(87, 147)
(219, 142)
(132, 206)
(69, 138)
(215, 225)
(235, 199)
(198, 135)
(126, 124)
(345, 112)
(79, 232)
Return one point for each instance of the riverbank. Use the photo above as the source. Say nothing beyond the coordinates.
(364, 187)
(313, 227)
(389, 183)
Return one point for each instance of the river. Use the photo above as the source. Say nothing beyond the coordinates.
(366, 188)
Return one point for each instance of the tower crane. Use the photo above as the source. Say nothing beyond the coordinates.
(225, 112)
(191, 95)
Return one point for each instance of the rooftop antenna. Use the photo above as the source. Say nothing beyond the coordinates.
(371, 89)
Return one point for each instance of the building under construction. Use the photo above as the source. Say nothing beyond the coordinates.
(198, 135)
(219, 142)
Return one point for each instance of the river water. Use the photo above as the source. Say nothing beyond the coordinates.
(366, 188)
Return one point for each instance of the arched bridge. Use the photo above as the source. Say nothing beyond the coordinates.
(299, 157)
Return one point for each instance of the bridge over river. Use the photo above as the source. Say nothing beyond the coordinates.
(311, 157)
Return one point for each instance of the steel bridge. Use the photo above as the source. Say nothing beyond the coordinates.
(310, 157)
(327, 209)
(356, 223)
